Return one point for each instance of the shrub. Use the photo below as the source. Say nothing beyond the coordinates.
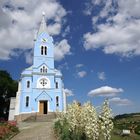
(7, 129)
(83, 123)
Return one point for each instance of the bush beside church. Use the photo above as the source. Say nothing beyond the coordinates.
(84, 123)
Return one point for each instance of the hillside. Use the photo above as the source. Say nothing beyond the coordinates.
(128, 122)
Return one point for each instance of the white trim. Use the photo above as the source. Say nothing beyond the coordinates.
(64, 101)
(48, 105)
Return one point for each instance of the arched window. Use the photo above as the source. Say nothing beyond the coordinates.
(56, 84)
(45, 50)
(41, 70)
(27, 101)
(42, 50)
(57, 101)
(28, 84)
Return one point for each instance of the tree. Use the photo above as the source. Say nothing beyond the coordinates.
(8, 88)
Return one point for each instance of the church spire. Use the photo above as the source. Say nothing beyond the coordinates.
(43, 27)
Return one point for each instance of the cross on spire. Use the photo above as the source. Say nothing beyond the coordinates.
(43, 27)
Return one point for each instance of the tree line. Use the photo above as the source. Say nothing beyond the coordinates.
(8, 89)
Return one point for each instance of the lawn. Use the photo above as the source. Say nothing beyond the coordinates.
(132, 137)
(119, 137)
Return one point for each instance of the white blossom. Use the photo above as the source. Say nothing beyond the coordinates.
(105, 121)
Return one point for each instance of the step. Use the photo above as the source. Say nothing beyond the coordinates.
(41, 118)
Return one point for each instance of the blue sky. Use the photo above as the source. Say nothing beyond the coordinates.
(97, 46)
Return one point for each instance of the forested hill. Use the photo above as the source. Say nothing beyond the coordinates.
(123, 116)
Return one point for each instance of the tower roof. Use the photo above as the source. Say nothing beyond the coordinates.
(43, 27)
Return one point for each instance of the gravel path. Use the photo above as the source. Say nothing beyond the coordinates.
(35, 131)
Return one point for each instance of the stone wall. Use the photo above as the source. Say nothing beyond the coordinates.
(22, 117)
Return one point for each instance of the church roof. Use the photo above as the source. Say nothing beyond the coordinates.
(43, 27)
(57, 72)
(29, 68)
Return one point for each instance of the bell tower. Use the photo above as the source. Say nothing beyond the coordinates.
(44, 48)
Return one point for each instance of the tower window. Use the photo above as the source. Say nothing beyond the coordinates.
(27, 101)
(42, 50)
(57, 101)
(45, 50)
(56, 84)
(28, 84)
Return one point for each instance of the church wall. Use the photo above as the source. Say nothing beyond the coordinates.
(35, 92)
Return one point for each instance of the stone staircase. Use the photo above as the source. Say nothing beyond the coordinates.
(41, 118)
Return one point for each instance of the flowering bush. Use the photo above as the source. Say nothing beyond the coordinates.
(105, 121)
(7, 129)
(83, 122)
(90, 121)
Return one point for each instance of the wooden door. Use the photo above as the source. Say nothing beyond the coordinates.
(41, 107)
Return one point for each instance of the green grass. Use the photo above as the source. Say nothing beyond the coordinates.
(131, 137)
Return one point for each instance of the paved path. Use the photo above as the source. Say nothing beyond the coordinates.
(35, 131)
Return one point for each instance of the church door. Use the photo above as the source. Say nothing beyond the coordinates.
(43, 107)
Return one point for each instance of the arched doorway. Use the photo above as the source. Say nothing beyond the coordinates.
(43, 107)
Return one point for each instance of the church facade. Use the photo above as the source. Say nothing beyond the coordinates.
(41, 89)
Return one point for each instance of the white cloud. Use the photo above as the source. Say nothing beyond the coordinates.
(68, 92)
(17, 26)
(105, 91)
(66, 31)
(79, 65)
(29, 57)
(63, 66)
(101, 76)
(120, 33)
(82, 74)
(61, 49)
(120, 102)
(88, 9)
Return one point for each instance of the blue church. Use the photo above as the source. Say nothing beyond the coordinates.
(40, 90)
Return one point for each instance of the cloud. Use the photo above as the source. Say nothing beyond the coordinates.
(29, 56)
(68, 92)
(88, 9)
(63, 66)
(105, 91)
(120, 32)
(82, 74)
(120, 102)
(20, 19)
(61, 49)
(66, 31)
(101, 76)
(79, 65)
